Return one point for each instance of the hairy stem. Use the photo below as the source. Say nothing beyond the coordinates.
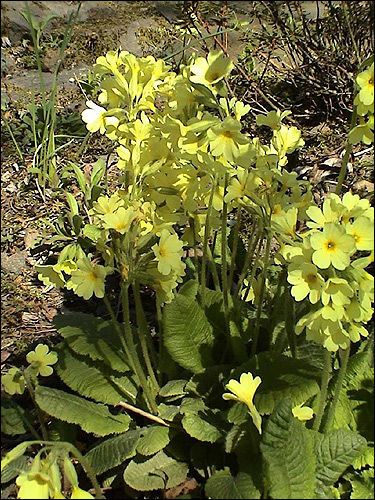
(326, 375)
(261, 293)
(337, 388)
(143, 331)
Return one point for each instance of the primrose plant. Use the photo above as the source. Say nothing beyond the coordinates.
(211, 259)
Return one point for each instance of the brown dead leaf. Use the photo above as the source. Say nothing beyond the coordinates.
(186, 487)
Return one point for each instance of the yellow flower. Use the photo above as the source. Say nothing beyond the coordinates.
(33, 485)
(338, 291)
(226, 139)
(365, 81)
(41, 358)
(13, 381)
(303, 412)
(306, 281)
(330, 212)
(168, 252)
(211, 70)
(121, 220)
(362, 231)
(332, 246)
(79, 493)
(243, 391)
(88, 279)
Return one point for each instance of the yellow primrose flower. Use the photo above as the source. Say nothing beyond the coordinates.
(332, 247)
(243, 391)
(329, 333)
(365, 81)
(285, 221)
(33, 485)
(303, 413)
(226, 138)
(168, 252)
(338, 291)
(211, 70)
(272, 119)
(13, 381)
(330, 212)
(239, 186)
(107, 205)
(306, 281)
(41, 358)
(121, 220)
(79, 493)
(285, 141)
(88, 279)
(363, 233)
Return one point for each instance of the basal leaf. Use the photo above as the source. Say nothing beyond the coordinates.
(91, 336)
(223, 485)
(202, 426)
(188, 335)
(91, 417)
(335, 452)
(12, 418)
(288, 451)
(153, 439)
(159, 472)
(86, 378)
(113, 451)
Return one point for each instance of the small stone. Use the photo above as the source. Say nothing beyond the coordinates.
(15, 263)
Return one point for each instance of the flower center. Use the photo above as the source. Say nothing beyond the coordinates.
(227, 133)
(92, 276)
(162, 252)
(330, 245)
(311, 278)
(212, 76)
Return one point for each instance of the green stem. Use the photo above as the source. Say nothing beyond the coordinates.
(215, 275)
(290, 323)
(207, 230)
(254, 238)
(30, 388)
(234, 249)
(224, 271)
(133, 350)
(326, 375)
(348, 150)
(143, 331)
(261, 293)
(19, 152)
(337, 388)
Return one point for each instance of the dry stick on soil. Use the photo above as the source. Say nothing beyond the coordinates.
(145, 414)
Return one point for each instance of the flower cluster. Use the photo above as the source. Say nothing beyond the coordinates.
(179, 141)
(364, 102)
(327, 267)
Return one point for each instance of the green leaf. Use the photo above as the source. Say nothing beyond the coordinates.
(93, 381)
(288, 451)
(173, 388)
(159, 472)
(12, 418)
(335, 452)
(233, 438)
(114, 451)
(91, 336)
(168, 412)
(363, 485)
(14, 468)
(97, 173)
(74, 210)
(188, 335)
(202, 426)
(223, 485)
(153, 439)
(282, 378)
(91, 417)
